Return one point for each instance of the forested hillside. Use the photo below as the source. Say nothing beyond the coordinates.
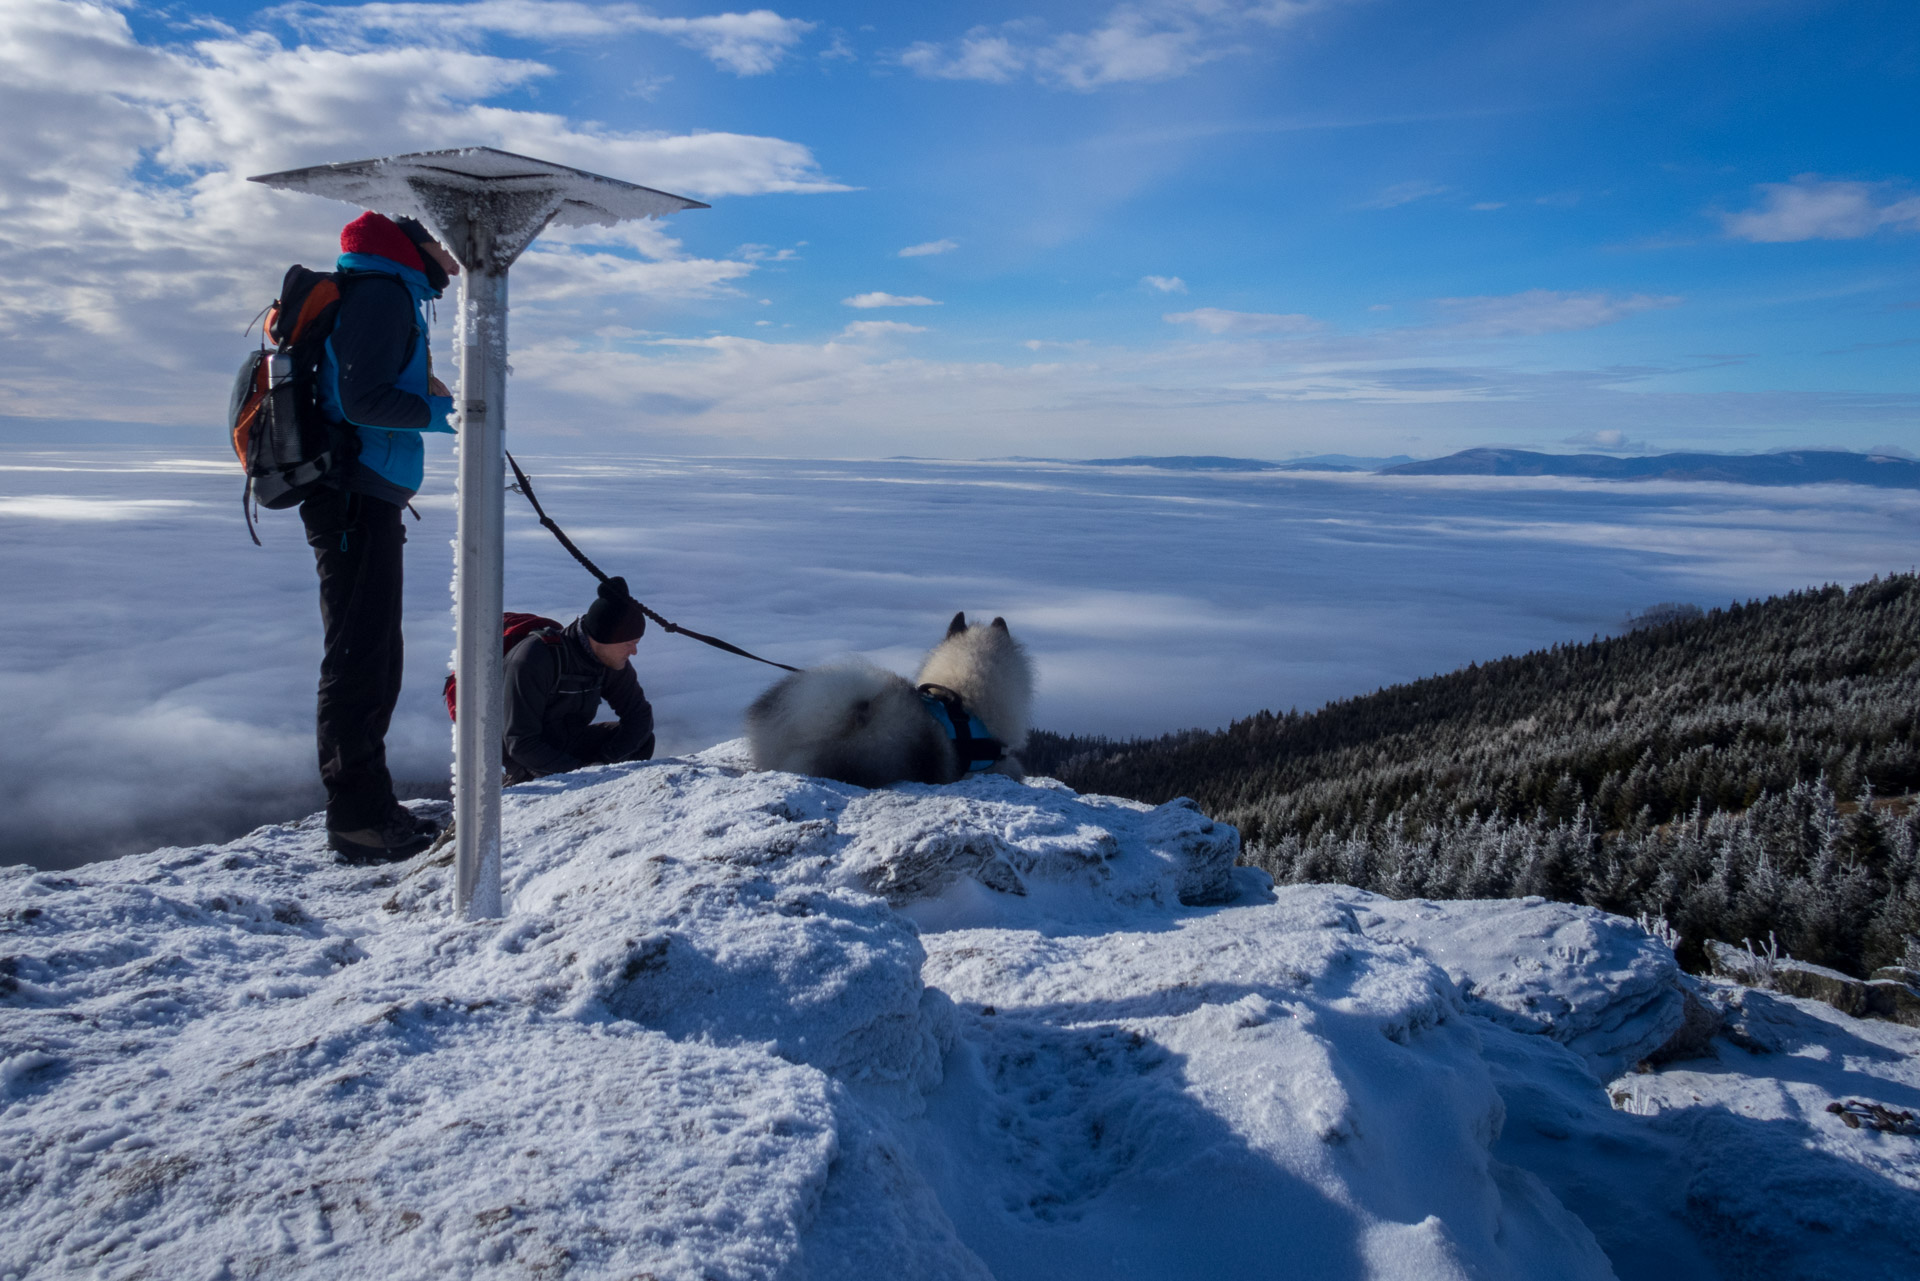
(1746, 772)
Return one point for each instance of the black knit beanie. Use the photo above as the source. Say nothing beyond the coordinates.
(614, 617)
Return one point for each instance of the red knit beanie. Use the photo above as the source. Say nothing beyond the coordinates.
(372, 233)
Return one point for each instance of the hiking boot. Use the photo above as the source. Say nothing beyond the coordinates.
(391, 841)
(425, 825)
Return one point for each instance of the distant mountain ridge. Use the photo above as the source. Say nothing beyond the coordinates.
(1793, 467)
(1222, 462)
(1789, 467)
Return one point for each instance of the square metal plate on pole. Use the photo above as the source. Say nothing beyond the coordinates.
(486, 206)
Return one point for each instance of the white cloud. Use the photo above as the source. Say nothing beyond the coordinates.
(930, 247)
(747, 44)
(1214, 320)
(1611, 439)
(1154, 40)
(879, 299)
(67, 507)
(766, 253)
(733, 394)
(1405, 193)
(654, 239)
(980, 55)
(867, 329)
(1165, 284)
(1318, 586)
(648, 88)
(552, 273)
(1812, 208)
(699, 164)
(1487, 206)
(1545, 311)
(132, 237)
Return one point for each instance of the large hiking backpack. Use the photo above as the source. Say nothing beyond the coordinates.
(514, 628)
(281, 436)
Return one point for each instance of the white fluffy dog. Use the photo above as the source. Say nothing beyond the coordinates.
(864, 725)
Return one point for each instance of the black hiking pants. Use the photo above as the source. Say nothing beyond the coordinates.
(590, 747)
(357, 543)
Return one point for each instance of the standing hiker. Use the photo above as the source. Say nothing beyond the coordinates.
(376, 382)
(556, 680)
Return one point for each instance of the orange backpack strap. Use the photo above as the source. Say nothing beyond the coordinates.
(322, 296)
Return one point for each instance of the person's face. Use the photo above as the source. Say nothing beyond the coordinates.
(615, 654)
(435, 251)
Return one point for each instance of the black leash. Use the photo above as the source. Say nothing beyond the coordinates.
(525, 487)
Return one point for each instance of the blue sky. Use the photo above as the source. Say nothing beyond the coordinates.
(1191, 226)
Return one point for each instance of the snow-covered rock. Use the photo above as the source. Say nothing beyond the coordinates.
(744, 1025)
(1598, 984)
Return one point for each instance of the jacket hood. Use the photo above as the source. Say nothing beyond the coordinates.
(415, 281)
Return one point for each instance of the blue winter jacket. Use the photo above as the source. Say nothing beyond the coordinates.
(374, 376)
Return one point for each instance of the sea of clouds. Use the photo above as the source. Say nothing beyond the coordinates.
(157, 670)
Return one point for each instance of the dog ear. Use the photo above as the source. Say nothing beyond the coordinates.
(1001, 623)
(958, 625)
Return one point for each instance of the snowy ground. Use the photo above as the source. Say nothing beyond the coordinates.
(157, 670)
(746, 1025)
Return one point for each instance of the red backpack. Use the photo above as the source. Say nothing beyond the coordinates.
(514, 628)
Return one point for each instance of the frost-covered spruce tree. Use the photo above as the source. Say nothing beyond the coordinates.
(1893, 937)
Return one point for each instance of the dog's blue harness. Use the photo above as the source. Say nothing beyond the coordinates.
(978, 750)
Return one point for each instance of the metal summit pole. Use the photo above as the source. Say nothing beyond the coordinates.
(485, 206)
(478, 592)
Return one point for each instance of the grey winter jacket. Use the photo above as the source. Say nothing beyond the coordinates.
(553, 691)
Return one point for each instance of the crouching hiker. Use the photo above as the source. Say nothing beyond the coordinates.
(555, 682)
